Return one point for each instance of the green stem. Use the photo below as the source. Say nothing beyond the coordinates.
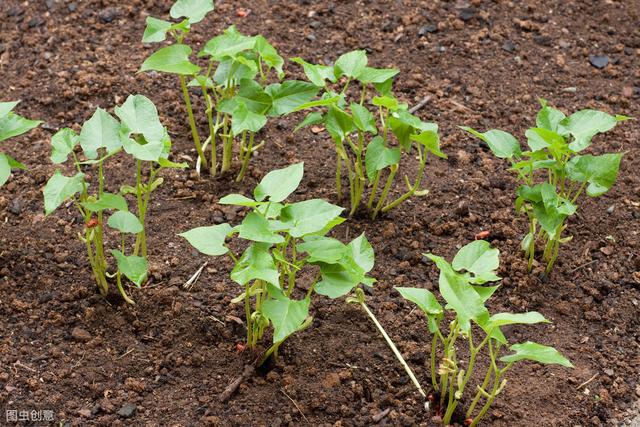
(434, 377)
(385, 191)
(192, 121)
(227, 145)
(247, 157)
(247, 310)
(339, 175)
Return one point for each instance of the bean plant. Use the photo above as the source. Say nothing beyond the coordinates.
(11, 124)
(463, 285)
(370, 138)
(284, 238)
(553, 174)
(140, 135)
(234, 83)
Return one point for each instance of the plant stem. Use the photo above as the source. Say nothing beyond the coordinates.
(192, 122)
(385, 191)
(227, 145)
(434, 378)
(121, 289)
(339, 175)
(247, 310)
(247, 157)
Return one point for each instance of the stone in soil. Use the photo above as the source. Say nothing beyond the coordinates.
(127, 410)
(599, 61)
(81, 335)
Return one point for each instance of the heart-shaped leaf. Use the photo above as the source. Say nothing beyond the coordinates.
(256, 263)
(100, 131)
(172, 59)
(209, 240)
(125, 222)
(537, 353)
(133, 267)
(61, 188)
(278, 184)
(62, 144)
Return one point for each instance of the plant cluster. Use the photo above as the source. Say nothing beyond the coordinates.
(234, 83)
(463, 287)
(552, 172)
(370, 139)
(140, 135)
(284, 238)
(11, 124)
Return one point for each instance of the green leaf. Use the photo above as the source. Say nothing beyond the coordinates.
(107, 201)
(278, 184)
(238, 200)
(125, 222)
(5, 169)
(165, 163)
(540, 138)
(171, 59)
(62, 144)
(256, 263)
(537, 353)
(584, 125)
(339, 124)
(13, 125)
(324, 101)
(460, 296)
(200, 80)
(227, 45)
(427, 302)
(377, 75)
(363, 119)
(195, 10)
(209, 240)
(286, 315)
(338, 279)
(362, 253)
(269, 55)
(100, 131)
(156, 30)
(309, 216)
(253, 96)
(133, 267)
(479, 258)
(147, 152)
(287, 96)
(256, 228)
(529, 318)
(502, 144)
(387, 101)
(317, 74)
(599, 171)
(430, 140)
(140, 116)
(322, 249)
(7, 107)
(230, 71)
(548, 118)
(378, 157)
(243, 119)
(424, 299)
(61, 188)
(351, 64)
(312, 118)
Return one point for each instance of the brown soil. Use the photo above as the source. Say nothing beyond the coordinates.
(65, 349)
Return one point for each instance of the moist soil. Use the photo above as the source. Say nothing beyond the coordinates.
(165, 361)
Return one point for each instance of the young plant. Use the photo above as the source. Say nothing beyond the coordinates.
(553, 174)
(233, 83)
(11, 124)
(462, 285)
(369, 139)
(142, 137)
(284, 238)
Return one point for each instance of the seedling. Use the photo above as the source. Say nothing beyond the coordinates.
(463, 286)
(369, 139)
(284, 238)
(233, 83)
(553, 174)
(142, 137)
(11, 124)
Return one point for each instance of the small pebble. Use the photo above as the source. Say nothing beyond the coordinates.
(599, 61)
